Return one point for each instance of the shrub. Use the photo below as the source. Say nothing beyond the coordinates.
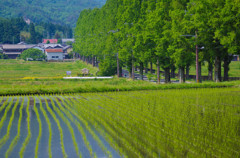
(35, 54)
(108, 67)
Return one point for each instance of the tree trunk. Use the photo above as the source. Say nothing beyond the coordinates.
(187, 71)
(87, 60)
(146, 67)
(200, 72)
(220, 71)
(118, 72)
(141, 71)
(167, 75)
(146, 70)
(133, 68)
(151, 68)
(181, 75)
(173, 68)
(129, 67)
(226, 69)
(227, 60)
(158, 71)
(217, 68)
(93, 63)
(210, 71)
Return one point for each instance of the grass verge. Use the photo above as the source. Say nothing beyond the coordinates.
(85, 86)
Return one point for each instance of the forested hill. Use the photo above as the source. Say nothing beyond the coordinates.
(16, 30)
(54, 11)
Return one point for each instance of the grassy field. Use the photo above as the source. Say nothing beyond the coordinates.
(233, 72)
(20, 69)
(20, 77)
(170, 123)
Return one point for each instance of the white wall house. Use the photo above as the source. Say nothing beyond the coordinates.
(54, 54)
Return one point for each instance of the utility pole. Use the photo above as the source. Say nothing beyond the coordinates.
(197, 64)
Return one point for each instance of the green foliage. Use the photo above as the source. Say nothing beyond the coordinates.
(69, 43)
(70, 55)
(168, 31)
(41, 69)
(59, 41)
(15, 30)
(61, 12)
(3, 56)
(35, 77)
(33, 53)
(153, 123)
(108, 67)
(10, 30)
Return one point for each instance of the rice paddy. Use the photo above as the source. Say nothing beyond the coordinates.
(157, 123)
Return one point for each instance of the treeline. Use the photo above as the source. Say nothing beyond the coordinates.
(15, 30)
(166, 33)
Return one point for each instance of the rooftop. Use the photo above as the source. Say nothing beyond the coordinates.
(17, 46)
(50, 40)
(54, 50)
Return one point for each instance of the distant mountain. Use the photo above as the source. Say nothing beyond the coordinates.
(54, 11)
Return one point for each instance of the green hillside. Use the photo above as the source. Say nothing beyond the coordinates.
(56, 11)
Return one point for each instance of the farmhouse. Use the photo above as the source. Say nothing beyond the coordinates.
(66, 50)
(1, 49)
(64, 41)
(54, 54)
(14, 50)
(236, 58)
(52, 41)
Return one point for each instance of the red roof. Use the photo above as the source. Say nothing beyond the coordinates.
(54, 50)
(50, 40)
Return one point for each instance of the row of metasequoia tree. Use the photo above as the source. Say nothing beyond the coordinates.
(167, 33)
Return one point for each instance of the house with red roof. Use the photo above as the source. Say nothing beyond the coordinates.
(54, 54)
(51, 41)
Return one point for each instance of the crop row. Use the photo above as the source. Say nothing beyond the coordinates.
(47, 106)
(173, 123)
(169, 123)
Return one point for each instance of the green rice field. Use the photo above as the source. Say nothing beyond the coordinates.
(154, 123)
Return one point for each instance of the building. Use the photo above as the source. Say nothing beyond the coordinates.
(64, 41)
(66, 50)
(54, 54)
(51, 41)
(1, 49)
(236, 58)
(14, 50)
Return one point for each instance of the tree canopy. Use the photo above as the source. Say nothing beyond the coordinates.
(32, 53)
(52, 11)
(15, 30)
